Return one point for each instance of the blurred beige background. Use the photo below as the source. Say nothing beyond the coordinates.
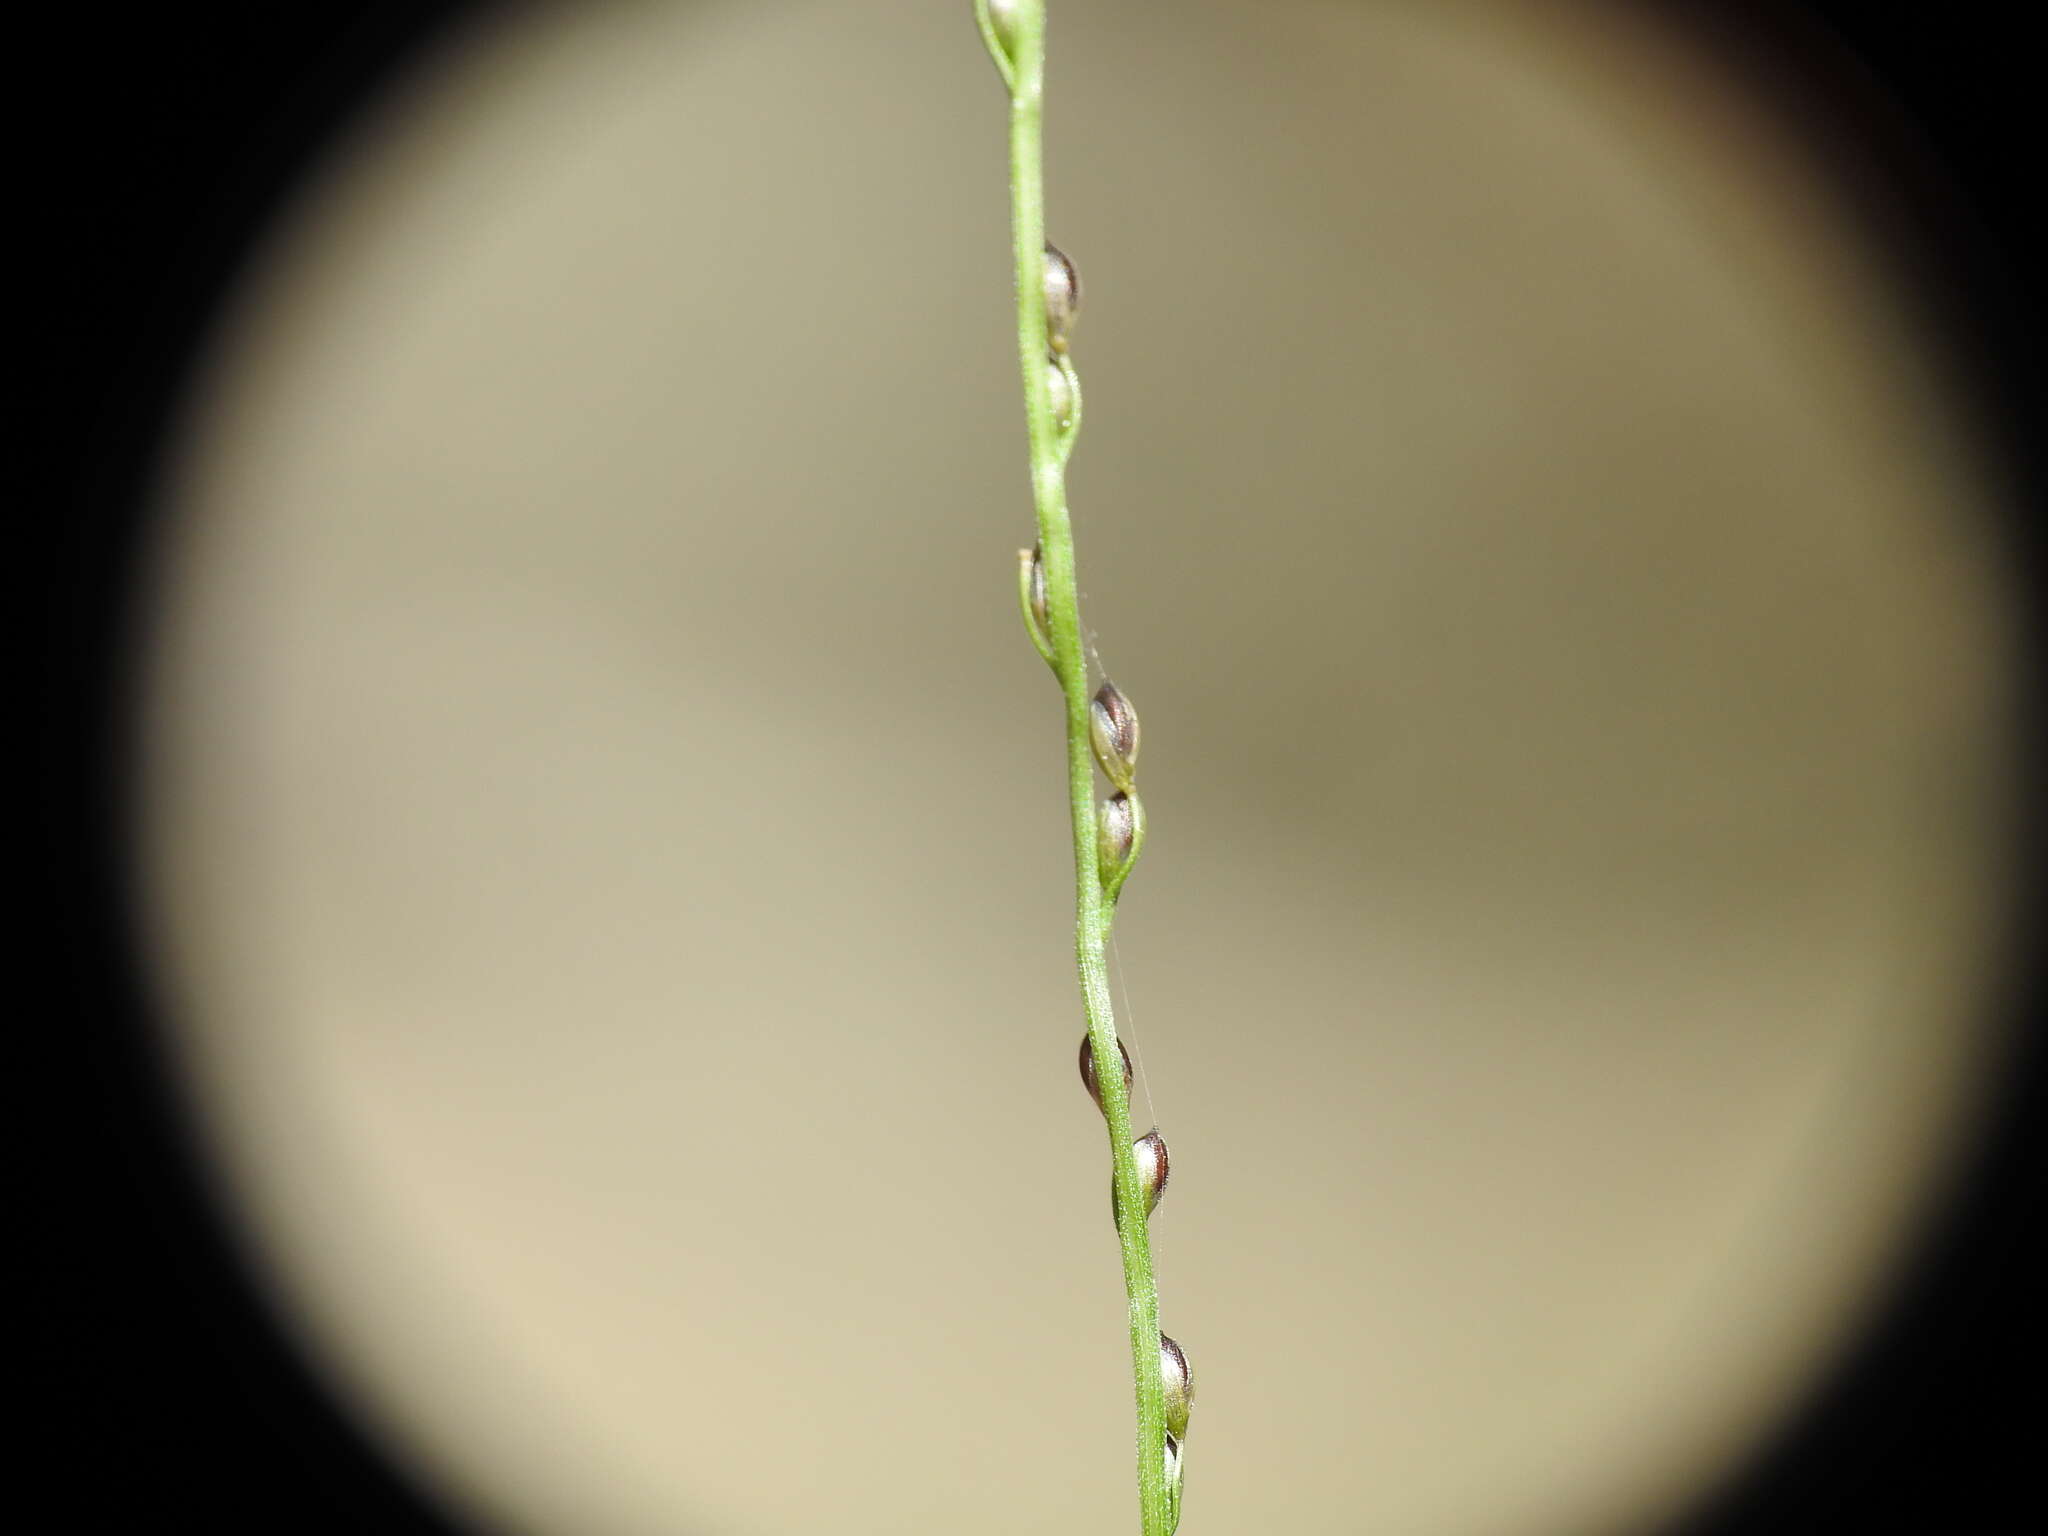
(606, 826)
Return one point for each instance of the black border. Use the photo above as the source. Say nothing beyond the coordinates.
(1918, 111)
(171, 1396)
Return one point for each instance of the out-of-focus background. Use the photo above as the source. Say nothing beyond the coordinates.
(604, 820)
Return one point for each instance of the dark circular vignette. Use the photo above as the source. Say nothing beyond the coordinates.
(174, 1396)
(1916, 114)
(174, 1401)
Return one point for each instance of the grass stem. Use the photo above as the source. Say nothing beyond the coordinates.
(1019, 47)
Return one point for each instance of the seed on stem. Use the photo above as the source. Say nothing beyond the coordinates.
(1088, 1069)
(1116, 826)
(1062, 296)
(1059, 389)
(1179, 1386)
(1031, 598)
(1113, 729)
(1118, 821)
(1150, 1152)
(1153, 1167)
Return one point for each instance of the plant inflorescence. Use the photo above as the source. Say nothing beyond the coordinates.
(1102, 735)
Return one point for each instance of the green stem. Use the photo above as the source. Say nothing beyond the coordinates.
(1093, 912)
